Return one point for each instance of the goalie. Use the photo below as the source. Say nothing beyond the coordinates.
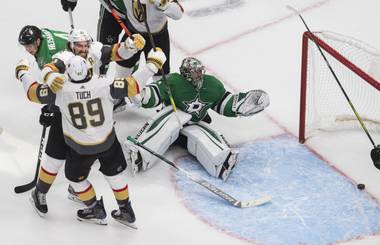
(194, 93)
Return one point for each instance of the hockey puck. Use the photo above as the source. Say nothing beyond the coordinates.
(361, 186)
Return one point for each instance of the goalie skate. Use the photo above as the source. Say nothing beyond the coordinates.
(95, 215)
(125, 216)
(229, 164)
(134, 158)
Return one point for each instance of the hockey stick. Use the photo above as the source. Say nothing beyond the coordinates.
(375, 152)
(115, 14)
(71, 18)
(30, 185)
(168, 90)
(205, 184)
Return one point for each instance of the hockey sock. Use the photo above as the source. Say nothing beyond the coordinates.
(85, 192)
(119, 187)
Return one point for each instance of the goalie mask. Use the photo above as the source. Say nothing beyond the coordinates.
(78, 70)
(193, 70)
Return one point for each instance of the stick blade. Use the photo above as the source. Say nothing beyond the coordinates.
(24, 188)
(254, 203)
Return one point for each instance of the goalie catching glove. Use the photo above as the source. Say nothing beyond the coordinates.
(253, 102)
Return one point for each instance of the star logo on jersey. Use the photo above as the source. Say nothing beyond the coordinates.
(195, 106)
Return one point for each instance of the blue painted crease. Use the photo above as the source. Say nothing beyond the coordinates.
(312, 203)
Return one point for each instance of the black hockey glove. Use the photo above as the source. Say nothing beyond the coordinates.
(47, 116)
(68, 4)
(375, 155)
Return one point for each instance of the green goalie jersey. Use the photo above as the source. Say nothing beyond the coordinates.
(187, 98)
(52, 43)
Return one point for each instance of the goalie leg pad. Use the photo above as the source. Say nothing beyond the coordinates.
(208, 147)
(157, 134)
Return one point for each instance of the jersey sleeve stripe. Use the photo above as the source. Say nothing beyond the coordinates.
(32, 93)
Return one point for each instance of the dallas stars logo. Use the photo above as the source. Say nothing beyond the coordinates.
(195, 106)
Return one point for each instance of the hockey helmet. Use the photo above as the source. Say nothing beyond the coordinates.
(78, 70)
(193, 70)
(29, 34)
(79, 35)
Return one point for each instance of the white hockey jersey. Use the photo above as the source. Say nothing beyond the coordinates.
(156, 18)
(94, 56)
(87, 115)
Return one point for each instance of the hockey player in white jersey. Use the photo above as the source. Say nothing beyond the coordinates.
(86, 104)
(158, 13)
(79, 43)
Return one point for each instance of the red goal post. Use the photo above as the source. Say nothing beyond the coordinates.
(322, 103)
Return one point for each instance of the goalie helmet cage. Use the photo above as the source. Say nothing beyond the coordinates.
(322, 103)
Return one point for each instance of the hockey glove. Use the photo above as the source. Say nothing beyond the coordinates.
(135, 43)
(57, 83)
(155, 60)
(46, 117)
(375, 155)
(253, 102)
(69, 4)
(160, 4)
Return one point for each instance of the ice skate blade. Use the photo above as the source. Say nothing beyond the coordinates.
(131, 225)
(93, 221)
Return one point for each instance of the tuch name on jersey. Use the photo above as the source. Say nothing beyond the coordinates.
(83, 95)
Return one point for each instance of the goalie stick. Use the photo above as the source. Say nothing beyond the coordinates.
(205, 184)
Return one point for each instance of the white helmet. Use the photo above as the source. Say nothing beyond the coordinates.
(79, 35)
(77, 68)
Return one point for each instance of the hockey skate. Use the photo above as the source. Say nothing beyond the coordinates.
(228, 165)
(96, 214)
(125, 215)
(134, 158)
(72, 195)
(38, 201)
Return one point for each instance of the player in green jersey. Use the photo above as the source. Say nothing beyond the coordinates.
(42, 43)
(194, 93)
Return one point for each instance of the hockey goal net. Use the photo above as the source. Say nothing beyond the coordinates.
(322, 103)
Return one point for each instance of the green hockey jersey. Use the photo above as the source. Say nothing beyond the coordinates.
(52, 42)
(212, 95)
